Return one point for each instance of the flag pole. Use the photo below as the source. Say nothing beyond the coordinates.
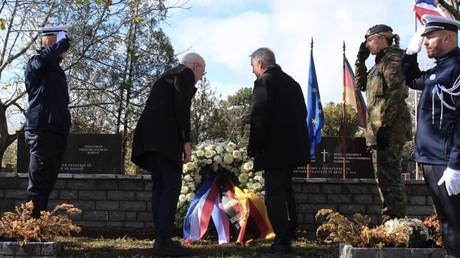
(342, 125)
(308, 165)
(417, 175)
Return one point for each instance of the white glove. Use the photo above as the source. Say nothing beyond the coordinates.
(452, 179)
(61, 35)
(415, 43)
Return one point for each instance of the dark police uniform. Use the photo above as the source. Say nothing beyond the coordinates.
(47, 121)
(159, 138)
(438, 135)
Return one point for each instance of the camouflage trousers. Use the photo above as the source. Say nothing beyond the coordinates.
(387, 168)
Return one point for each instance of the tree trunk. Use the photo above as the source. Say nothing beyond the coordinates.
(130, 64)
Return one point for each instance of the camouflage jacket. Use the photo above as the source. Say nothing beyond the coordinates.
(386, 92)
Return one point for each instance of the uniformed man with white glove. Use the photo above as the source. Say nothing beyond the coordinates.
(48, 116)
(438, 127)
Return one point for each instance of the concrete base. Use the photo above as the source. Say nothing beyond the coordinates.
(31, 249)
(348, 251)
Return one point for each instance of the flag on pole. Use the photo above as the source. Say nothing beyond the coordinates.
(315, 116)
(353, 95)
(423, 7)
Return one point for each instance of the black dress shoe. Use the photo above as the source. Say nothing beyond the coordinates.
(277, 248)
(170, 248)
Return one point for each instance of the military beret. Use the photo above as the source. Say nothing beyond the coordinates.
(377, 29)
(54, 30)
(436, 22)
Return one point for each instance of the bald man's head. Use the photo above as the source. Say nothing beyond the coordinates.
(196, 63)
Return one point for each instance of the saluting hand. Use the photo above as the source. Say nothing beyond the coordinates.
(415, 44)
(363, 52)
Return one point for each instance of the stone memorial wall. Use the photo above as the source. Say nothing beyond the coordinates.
(112, 203)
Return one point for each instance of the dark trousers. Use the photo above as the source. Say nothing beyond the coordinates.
(280, 201)
(447, 208)
(46, 151)
(166, 179)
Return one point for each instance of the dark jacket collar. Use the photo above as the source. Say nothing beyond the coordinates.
(272, 68)
(454, 53)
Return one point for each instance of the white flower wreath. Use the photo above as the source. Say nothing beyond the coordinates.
(222, 157)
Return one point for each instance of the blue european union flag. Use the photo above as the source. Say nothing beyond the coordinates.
(315, 116)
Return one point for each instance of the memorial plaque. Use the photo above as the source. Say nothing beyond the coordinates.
(85, 154)
(329, 159)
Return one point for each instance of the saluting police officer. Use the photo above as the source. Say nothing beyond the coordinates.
(48, 116)
(438, 127)
(388, 117)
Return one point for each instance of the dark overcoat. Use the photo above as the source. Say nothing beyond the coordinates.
(47, 90)
(164, 125)
(278, 135)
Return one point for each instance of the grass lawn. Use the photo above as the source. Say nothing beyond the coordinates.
(128, 247)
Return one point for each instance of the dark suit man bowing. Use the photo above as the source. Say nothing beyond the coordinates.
(278, 141)
(162, 142)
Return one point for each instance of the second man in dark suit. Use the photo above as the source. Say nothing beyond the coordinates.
(278, 141)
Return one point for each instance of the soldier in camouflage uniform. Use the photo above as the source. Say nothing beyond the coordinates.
(388, 117)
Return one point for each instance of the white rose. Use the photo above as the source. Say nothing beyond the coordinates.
(200, 147)
(182, 198)
(237, 154)
(209, 147)
(257, 186)
(209, 154)
(190, 196)
(219, 149)
(243, 178)
(228, 159)
(199, 153)
(190, 166)
(188, 178)
(184, 190)
(248, 166)
(260, 179)
(229, 148)
(208, 161)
